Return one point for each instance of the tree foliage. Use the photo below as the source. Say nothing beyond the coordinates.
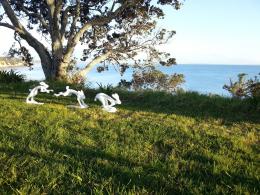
(114, 32)
(153, 79)
(244, 88)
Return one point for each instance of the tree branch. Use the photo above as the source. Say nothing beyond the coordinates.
(73, 30)
(74, 22)
(98, 21)
(54, 7)
(64, 21)
(19, 28)
(56, 19)
(51, 9)
(72, 44)
(57, 11)
(11, 15)
(7, 25)
(93, 63)
(40, 18)
(113, 6)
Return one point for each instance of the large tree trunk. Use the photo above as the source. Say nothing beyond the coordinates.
(61, 71)
(55, 62)
(53, 70)
(46, 67)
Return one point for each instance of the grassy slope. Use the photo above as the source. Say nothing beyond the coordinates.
(156, 143)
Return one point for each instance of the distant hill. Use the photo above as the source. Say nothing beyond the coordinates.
(8, 61)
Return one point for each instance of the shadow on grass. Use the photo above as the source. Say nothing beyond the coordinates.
(117, 168)
(195, 105)
(194, 174)
(154, 178)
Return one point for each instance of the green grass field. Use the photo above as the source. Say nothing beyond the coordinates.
(155, 144)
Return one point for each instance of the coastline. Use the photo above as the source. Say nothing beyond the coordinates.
(9, 62)
(204, 79)
(11, 66)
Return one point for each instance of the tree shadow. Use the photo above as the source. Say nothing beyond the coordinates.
(153, 176)
(117, 168)
(194, 105)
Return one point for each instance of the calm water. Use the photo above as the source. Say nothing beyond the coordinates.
(201, 78)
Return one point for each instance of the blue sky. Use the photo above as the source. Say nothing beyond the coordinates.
(208, 32)
(215, 32)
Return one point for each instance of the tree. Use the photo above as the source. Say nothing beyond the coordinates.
(154, 80)
(243, 88)
(114, 32)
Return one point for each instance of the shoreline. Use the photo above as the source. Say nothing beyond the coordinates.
(10, 66)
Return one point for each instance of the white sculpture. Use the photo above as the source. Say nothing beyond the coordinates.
(33, 92)
(80, 96)
(104, 99)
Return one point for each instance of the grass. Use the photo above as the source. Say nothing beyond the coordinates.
(155, 144)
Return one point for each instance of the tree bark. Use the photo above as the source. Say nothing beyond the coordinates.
(55, 62)
(42, 51)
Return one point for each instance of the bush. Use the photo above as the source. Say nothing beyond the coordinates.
(254, 87)
(11, 77)
(244, 88)
(154, 80)
(105, 88)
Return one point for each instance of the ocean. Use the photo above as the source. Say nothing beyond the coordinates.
(201, 78)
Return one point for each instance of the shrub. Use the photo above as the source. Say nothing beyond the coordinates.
(124, 84)
(11, 76)
(105, 88)
(254, 87)
(244, 88)
(154, 80)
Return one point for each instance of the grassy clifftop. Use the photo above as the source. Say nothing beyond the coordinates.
(155, 144)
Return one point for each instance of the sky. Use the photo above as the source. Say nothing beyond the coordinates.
(208, 32)
(215, 32)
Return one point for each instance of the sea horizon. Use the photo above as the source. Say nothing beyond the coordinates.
(203, 78)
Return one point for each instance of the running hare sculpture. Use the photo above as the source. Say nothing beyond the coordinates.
(80, 96)
(33, 92)
(104, 99)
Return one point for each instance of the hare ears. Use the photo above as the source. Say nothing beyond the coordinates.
(43, 83)
(115, 95)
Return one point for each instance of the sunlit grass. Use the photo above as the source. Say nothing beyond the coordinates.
(155, 143)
